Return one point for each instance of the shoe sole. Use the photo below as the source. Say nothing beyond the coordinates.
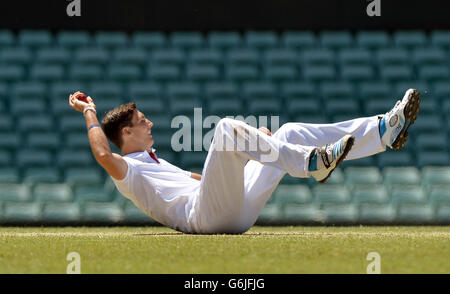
(347, 149)
(410, 112)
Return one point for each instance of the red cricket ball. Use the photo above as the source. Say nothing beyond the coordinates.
(82, 97)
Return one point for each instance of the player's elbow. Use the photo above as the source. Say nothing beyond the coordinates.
(102, 157)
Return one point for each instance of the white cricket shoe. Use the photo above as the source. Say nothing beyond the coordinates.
(394, 124)
(325, 159)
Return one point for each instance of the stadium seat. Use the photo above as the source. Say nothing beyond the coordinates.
(16, 56)
(124, 72)
(377, 213)
(223, 107)
(77, 177)
(436, 141)
(395, 73)
(111, 39)
(83, 194)
(303, 90)
(149, 40)
(202, 73)
(60, 91)
(409, 39)
(440, 38)
(15, 192)
(52, 193)
(34, 175)
(392, 56)
(355, 56)
(415, 213)
(72, 39)
(280, 74)
(102, 213)
(434, 175)
(74, 158)
(241, 73)
(336, 39)
(331, 194)
(261, 40)
(443, 214)
(268, 107)
(164, 73)
(337, 90)
(9, 175)
(135, 215)
(31, 123)
(61, 213)
(243, 57)
(394, 158)
(85, 73)
(206, 57)
(286, 195)
(91, 56)
(411, 193)
(270, 214)
(42, 141)
(439, 195)
(221, 90)
(362, 175)
(429, 56)
(322, 56)
(9, 141)
(33, 157)
(130, 56)
(27, 106)
(373, 91)
(357, 73)
(7, 38)
(186, 40)
(434, 73)
(5, 158)
(298, 39)
(144, 91)
(280, 57)
(370, 194)
(339, 106)
(71, 122)
(401, 175)
(442, 90)
(319, 73)
(33, 89)
(437, 158)
(224, 40)
(12, 73)
(373, 39)
(22, 212)
(53, 55)
(35, 38)
(184, 106)
(172, 56)
(77, 140)
(299, 214)
(191, 160)
(340, 213)
(301, 106)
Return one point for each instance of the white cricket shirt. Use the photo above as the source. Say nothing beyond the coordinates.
(161, 190)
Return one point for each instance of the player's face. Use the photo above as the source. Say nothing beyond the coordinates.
(142, 129)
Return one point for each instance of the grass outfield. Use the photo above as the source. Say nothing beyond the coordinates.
(260, 250)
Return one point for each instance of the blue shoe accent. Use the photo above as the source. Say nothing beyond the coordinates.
(313, 163)
(382, 126)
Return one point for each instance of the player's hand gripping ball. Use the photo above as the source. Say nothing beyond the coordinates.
(82, 97)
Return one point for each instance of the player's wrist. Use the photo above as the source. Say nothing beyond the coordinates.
(89, 108)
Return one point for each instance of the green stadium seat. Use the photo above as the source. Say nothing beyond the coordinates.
(35, 38)
(52, 193)
(22, 212)
(183, 90)
(370, 194)
(130, 56)
(78, 176)
(16, 56)
(243, 57)
(323, 56)
(9, 175)
(5, 158)
(172, 56)
(439, 194)
(381, 106)
(357, 73)
(373, 39)
(301, 106)
(242, 73)
(83, 194)
(35, 90)
(335, 107)
(259, 90)
(33, 123)
(164, 73)
(331, 194)
(124, 73)
(186, 40)
(27, 106)
(336, 39)
(61, 213)
(47, 73)
(265, 107)
(440, 38)
(106, 90)
(337, 90)
(280, 74)
(340, 213)
(431, 142)
(435, 175)
(221, 90)
(71, 122)
(442, 89)
(392, 56)
(286, 195)
(73, 39)
(319, 73)
(355, 56)
(224, 40)
(145, 91)
(375, 90)
(411, 193)
(362, 175)
(415, 213)
(377, 213)
(91, 56)
(443, 214)
(410, 39)
(298, 214)
(304, 90)
(43, 140)
(111, 39)
(395, 73)
(396, 158)
(15, 192)
(270, 214)
(33, 175)
(33, 157)
(407, 175)
(149, 40)
(280, 57)
(298, 39)
(74, 157)
(202, 73)
(7, 38)
(9, 140)
(261, 40)
(85, 73)
(206, 57)
(77, 140)
(429, 56)
(133, 214)
(223, 107)
(437, 158)
(102, 212)
(11, 73)
(4, 91)
(53, 55)
(434, 73)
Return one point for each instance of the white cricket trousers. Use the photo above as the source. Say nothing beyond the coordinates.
(239, 176)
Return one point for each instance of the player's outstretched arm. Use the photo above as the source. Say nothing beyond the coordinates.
(113, 163)
(196, 176)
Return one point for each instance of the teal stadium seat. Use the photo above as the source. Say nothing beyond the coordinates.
(221, 107)
(150, 107)
(286, 195)
(440, 195)
(12, 73)
(77, 140)
(15, 192)
(169, 56)
(6, 122)
(202, 73)
(440, 38)
(43, 140)
(435, 175)
(436, 141)
(5, 158)
(241, 73)
(53, 55)
(83, 194)
(16, 56)
(373, 39)
(396, 73)
(298, 40)
(83, 176)
(206, 56)
(303, 106)
(362, 175)
(164, 73)
(27, 106)
(91, 56)
(442, 90)
(9, 141)
(134, 215)
(33, 157)
(37, 122)
(7, 38)
(331, 194)
(337, 90)
(415, 213)
(357, 73)
(377, 213)
(401, 176)
(443, 214)
(392, 56)
(429, 56)
(436, 158)
(370, 194)
(101, 213)
(149, 40)
(410, 39)
(85, 73)
(341, 213)
(9, 175)
(34, 175)
(336, 39)
(412, 193)
(186, 40)
(322, 56)
(193, 160)
(434, 73)
(60, 91)
(61, 213)
(243, 57)
(71, 122)
(22, 212)
(71, 157)
(303, 214)
(261, 40)
(33, 89)
(130, 56)
(111, 39)
(319, 73)
(52, 193)
(221, 90)
(355, 56)
(271, 214)
(124, 72)
(301, 90)
(259, 90)
(224, 40)
(35, 38)
(280, 73)
(381, 106)
(281, 56)
(141, 91)
(73, 39)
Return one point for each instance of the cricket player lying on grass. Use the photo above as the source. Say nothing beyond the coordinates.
(236, 180)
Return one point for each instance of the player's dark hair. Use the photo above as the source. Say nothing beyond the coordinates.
(115, 120)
